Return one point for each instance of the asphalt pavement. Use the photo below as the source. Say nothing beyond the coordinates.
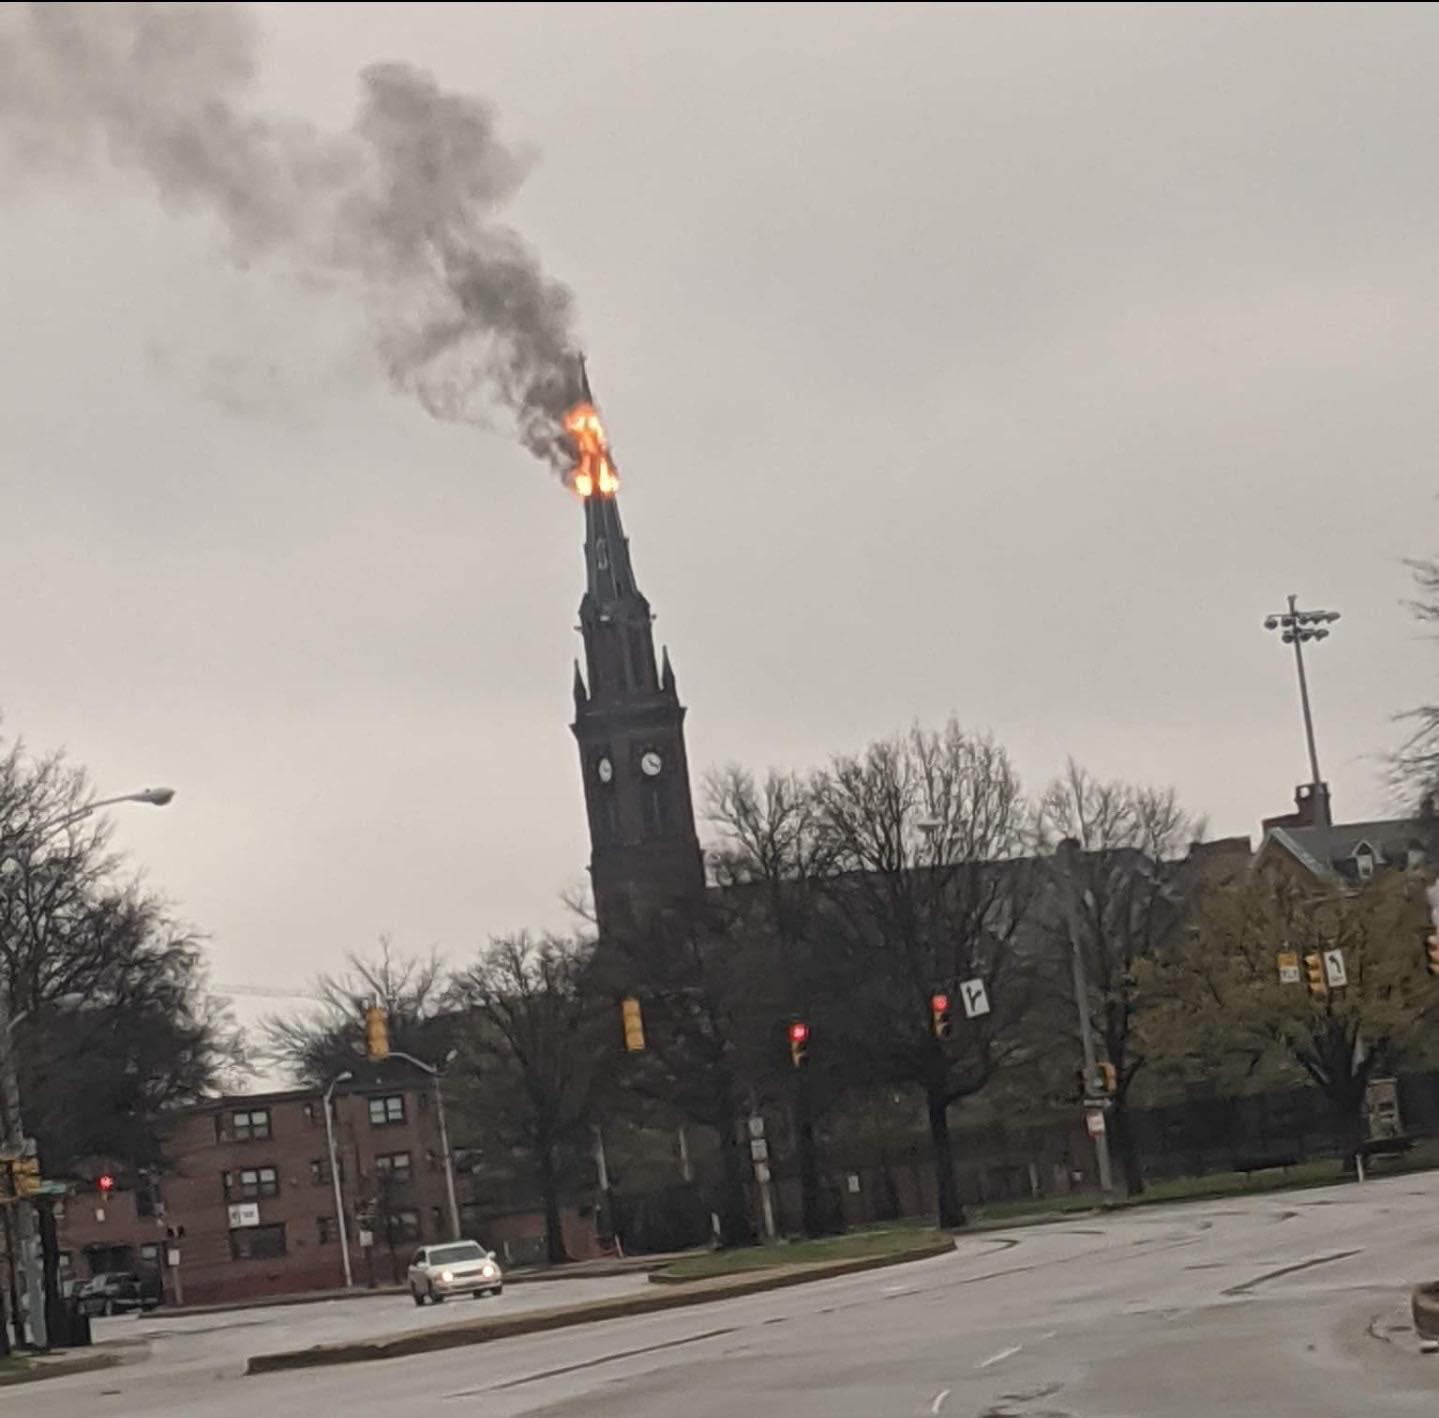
(1289, 1305)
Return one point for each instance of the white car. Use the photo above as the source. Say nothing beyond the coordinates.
(455, 1268)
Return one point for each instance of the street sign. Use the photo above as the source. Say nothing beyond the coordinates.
(1288, 967)
(367, 1239)
(974, 997)
(172, 1258)
(1334, 973)
(244, 1213)
(756, 1125)
(1094, 1122)
(759, 1149)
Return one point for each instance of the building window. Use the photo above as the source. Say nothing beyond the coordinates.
(404, 1225)
(384, 1112)
(250, 1125)
(311, 1112)
(320, 1171)
(257, 1242)
(393, 1164)
(324, 1229)
(250, 1183)
(657, 810)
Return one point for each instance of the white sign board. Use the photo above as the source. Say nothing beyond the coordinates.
(853, 1181)
(172, 1258)
(756, 1125)
(761, 1172)
(1288, 968)
(244, 1213)
(1334, 973)
(759, 1149)
(1094, 1121)
(974, 997)
(367, 1239)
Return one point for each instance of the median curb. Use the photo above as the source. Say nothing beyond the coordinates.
(40, 1367)
(1424, 1306)
(669, 1297)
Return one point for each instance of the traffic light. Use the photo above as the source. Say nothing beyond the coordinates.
(106, 1183)
(1314, 975)
(27, 1176)
(1108, 1077)
(377, 1032)
(634, 1025)
(1431, 947)
(939, 1015)
(798, 1043)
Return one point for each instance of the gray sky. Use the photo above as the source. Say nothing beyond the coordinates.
(1005, 361)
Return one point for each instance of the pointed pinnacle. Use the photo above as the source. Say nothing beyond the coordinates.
(585, 380)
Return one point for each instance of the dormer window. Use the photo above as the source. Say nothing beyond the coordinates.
(1364, 861)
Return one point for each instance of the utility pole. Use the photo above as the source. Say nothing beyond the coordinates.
(1297, 627)
(1065, 854)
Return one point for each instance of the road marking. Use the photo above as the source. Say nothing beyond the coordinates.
(939, 1400)
(996, 1358)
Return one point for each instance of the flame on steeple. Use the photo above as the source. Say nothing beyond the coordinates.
(594, 470)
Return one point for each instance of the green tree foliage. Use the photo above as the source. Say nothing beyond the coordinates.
(1218, 1007)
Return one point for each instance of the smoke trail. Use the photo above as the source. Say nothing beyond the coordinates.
(401, 210)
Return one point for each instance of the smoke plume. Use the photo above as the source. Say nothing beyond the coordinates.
(401, 211)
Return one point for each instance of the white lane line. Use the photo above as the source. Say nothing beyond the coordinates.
(996, 1358)
(939, 1400)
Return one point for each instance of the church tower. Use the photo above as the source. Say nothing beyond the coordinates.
(629, 723)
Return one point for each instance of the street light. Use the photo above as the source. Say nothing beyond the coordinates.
(13, 1142)
(335, 1175)
(435, 1076)
(1298, 628)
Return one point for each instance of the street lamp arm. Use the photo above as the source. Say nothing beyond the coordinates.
(155, 797)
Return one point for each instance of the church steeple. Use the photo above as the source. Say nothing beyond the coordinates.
(628, 721)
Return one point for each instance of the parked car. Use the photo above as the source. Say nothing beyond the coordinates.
(455, 1268)
(114, 1292)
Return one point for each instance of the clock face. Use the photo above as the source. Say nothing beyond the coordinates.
(605, 769)
(651, 763)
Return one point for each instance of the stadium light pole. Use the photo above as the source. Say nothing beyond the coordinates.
(1298, 628)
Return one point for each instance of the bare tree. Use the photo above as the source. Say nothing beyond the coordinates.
(1416, 765)
(1131, 889)
(315, 1044)
(107, 989)
(926, 835)
(530, 1065)
(769, 864)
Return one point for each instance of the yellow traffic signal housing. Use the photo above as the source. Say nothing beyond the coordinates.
(634, 1025)
(377, 1033)
(1314, 975)
(1108, 1076)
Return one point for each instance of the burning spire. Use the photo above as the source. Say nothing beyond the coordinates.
(594, 470)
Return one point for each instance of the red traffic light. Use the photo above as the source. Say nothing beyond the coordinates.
(106, 1183)
(939, 1003)
(798, 1032)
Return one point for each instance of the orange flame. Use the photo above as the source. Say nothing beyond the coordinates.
(594, 471)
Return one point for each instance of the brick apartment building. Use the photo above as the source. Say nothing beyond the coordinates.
(248, 1202)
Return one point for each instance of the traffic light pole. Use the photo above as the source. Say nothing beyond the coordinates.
(1081, 1000)
(12, 1144)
